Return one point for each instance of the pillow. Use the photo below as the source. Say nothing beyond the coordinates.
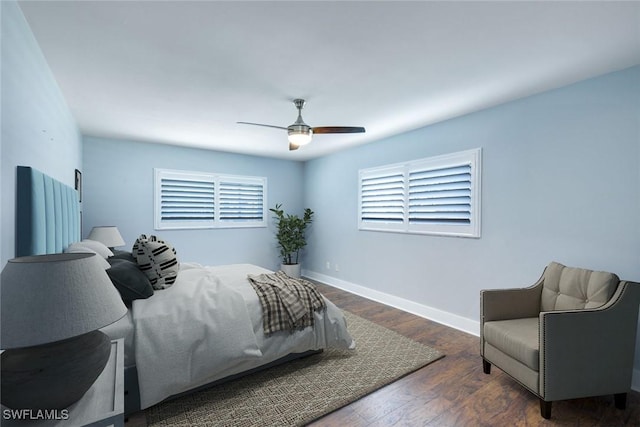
(143, 237)
(77, 248)
(134, 249)
(129, 280)
(123, 255)
(158, 260)
(96, 247)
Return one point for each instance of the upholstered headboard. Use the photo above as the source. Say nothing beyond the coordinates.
(47, 214)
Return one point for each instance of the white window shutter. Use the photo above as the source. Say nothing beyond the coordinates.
(192, 200)
(440, 196)
(382, 197)
(241, 201)
(436, 195)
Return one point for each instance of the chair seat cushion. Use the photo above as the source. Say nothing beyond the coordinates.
(516, 337)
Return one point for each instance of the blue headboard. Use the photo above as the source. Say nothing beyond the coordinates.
(47, 214)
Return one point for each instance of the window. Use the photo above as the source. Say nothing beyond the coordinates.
(208, 200)
(437, 195)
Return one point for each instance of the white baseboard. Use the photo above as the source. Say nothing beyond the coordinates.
(440, 316)
(449, 319)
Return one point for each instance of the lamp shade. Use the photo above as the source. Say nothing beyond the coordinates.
(106, 234)
(48, 298)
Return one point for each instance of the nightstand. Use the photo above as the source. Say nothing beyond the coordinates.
(101, 406)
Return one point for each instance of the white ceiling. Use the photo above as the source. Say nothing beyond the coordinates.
(183, 72)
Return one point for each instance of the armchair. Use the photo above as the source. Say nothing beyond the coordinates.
(570, 335)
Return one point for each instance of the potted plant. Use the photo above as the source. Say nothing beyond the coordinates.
(291, 238)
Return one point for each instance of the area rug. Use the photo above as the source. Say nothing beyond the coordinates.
(303, 390)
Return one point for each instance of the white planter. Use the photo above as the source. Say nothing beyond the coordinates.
(291, 270)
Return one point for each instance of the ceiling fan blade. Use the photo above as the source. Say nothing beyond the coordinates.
(263, 125)
(338, 129)
(293, 147)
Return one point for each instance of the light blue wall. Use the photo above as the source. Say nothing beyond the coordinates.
(38, 129)
(118, 190)
(561, 181)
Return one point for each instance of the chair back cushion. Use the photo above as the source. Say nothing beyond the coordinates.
(567, 288)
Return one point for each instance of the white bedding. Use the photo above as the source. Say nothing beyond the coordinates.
(208, 325)
(123, 329)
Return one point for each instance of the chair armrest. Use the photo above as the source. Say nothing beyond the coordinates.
(589, 352)
(504, 304)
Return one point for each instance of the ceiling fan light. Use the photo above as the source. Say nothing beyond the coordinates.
(297, 137)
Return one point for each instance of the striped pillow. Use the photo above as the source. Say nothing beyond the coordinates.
(134, 249)
(158, 260)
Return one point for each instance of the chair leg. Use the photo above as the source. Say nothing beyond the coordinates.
(486, 367)
(545, 409)
(620, 400)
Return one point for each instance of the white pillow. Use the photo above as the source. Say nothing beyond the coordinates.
(99, 247)
(77, 248)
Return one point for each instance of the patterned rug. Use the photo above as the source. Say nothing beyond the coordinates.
(301, 391)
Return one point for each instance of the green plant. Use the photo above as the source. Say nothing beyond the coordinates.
(291, 229)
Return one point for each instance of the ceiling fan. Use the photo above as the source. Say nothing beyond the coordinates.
(301, 133)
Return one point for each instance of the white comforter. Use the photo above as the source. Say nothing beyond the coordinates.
(208, 325)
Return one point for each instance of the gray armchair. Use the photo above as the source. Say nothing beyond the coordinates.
(570, 335)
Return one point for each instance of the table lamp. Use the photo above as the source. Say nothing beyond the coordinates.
(51, 309)
(106, 234)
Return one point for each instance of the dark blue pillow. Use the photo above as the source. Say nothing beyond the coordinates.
(123, 255)
(129, 280)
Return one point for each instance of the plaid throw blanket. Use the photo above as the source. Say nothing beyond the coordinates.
(288, 304)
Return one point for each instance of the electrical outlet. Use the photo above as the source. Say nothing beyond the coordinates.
(337, 267)
(328, 265)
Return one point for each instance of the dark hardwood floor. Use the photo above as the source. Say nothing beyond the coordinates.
(454, 391)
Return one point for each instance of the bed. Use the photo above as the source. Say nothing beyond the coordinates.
(205, 328)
